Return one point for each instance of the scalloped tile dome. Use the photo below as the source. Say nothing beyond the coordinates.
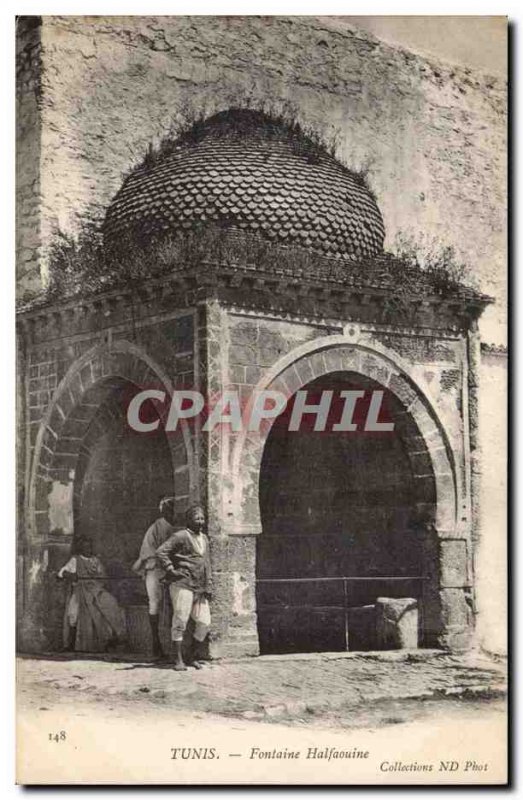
(244, 171)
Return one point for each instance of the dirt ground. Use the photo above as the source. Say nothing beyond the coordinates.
(87, 721)
(335, 689)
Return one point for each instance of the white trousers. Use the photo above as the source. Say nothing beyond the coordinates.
(187, 605)
(154, 589)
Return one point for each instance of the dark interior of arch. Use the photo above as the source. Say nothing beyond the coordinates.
(339, 505)
(120, 477)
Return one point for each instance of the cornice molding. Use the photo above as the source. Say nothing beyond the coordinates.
(252, 290)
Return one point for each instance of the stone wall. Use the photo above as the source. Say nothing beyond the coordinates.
(271, 353)
(75, 389)
(76, 371)
(492, 552)
(93, 93)
(28, 150)
(432, 135)
(252, 346)
(169, 342)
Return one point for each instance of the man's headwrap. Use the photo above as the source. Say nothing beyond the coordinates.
(166, 505)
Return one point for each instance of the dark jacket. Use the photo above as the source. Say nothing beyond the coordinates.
(183, 564)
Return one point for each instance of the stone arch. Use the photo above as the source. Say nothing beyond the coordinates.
(364, 356)
(87, 384)
(434, 448)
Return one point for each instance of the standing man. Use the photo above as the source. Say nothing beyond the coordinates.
(148, 565)
(185, 559)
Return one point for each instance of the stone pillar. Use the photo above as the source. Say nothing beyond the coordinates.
(33, 631)
(32, 596)
(234, 625)
(455, 581)
(23, 456)
(474, 365)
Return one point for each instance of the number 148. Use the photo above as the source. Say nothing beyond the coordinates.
(57, 737)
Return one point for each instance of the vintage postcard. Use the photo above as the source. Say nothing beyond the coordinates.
(261, 400)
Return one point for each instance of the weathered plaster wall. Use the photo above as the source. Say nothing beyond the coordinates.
(491, 564)
(432, 134)
(28, 134)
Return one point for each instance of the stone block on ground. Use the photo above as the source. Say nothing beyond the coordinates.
(396, 623)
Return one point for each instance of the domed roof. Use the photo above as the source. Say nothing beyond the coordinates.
(243, 170)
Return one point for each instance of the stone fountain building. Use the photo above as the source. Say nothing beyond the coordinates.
(244, 256)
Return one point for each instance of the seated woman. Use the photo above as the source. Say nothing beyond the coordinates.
(93, 620)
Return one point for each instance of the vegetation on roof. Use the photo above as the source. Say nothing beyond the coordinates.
(248, 119)
(81, 266)
(432, 258)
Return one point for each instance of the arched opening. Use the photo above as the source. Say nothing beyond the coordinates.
(345, 520)
(91, 473)
(119, 479)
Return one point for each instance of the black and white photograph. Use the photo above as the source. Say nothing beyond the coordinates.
(261, 400)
